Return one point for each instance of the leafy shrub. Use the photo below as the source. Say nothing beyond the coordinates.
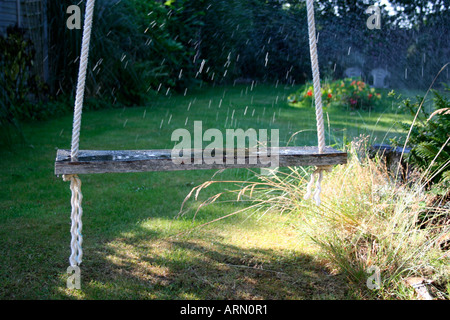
(19, 85)
(137, 46)
(352, 93)
(430, 137)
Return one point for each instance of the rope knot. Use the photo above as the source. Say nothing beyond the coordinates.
(319, 171)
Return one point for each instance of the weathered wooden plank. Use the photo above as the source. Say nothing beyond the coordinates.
(116, 161)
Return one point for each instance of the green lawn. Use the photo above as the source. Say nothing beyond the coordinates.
(131, 246)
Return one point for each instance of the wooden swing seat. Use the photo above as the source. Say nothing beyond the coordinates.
(117, 161)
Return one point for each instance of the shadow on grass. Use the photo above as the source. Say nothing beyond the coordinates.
(199, 269)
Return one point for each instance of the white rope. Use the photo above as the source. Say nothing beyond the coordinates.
(77, 225)
(82, 78)
(75, 182)
(318, 103)
(319, 171)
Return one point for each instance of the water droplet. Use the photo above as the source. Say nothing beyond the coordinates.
(202, 65)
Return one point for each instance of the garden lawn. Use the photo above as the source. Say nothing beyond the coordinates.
(133, 248)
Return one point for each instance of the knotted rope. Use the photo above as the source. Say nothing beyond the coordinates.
(77, 224)
(75, 182)
(318, 103)
(319, 171)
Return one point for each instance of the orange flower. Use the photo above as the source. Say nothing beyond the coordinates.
(370, 95)
(309, 93)
(330, 96)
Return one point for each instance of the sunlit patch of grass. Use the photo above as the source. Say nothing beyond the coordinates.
(225, 266)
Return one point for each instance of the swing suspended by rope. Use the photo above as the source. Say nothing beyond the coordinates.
(70, 163)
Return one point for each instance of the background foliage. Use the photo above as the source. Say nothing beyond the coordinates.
(430, 137)
(141, 48)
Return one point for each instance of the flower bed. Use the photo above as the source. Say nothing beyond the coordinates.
(352, 93)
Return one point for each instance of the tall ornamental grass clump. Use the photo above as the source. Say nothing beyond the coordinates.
(367, 222)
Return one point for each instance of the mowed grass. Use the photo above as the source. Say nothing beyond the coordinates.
(135, 244)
